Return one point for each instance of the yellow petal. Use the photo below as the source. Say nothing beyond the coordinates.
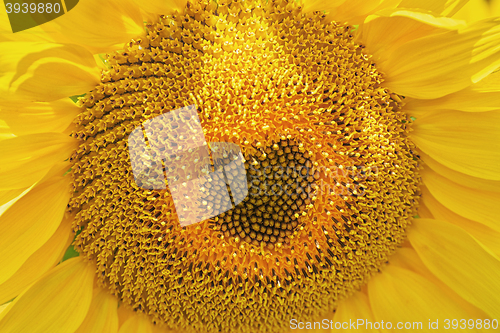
(102, 316)
(37, 71)
(479, 97)
(455, 258)
(57, 303)
(408, 258)
(8, 195)
(424, 212)
(159, 329)
(3, 307)
(5, 131)
(124, 313)
(4, 23)
(38, 117)
(387, 30)
(440, 7)
(351, 310)
(460, 178)
(475, 205)
(353, 11)
(34, 34)
(26, 159)
(437, 65)
(100, 26)
(315, 5)
(39, 263)
(401, 297)
(6, 205)
(465, 142)
(474, 10)
(162, 6)
(137, 323)
(32, 220)
(495, 8)
(486, 236)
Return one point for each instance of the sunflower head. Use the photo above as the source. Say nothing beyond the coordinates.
(330, 174)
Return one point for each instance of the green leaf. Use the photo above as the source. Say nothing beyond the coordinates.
(76, 97)
(70, 253)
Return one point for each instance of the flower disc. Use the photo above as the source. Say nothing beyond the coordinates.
(306, 106)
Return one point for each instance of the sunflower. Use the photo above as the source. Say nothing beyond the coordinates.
(368, 133)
